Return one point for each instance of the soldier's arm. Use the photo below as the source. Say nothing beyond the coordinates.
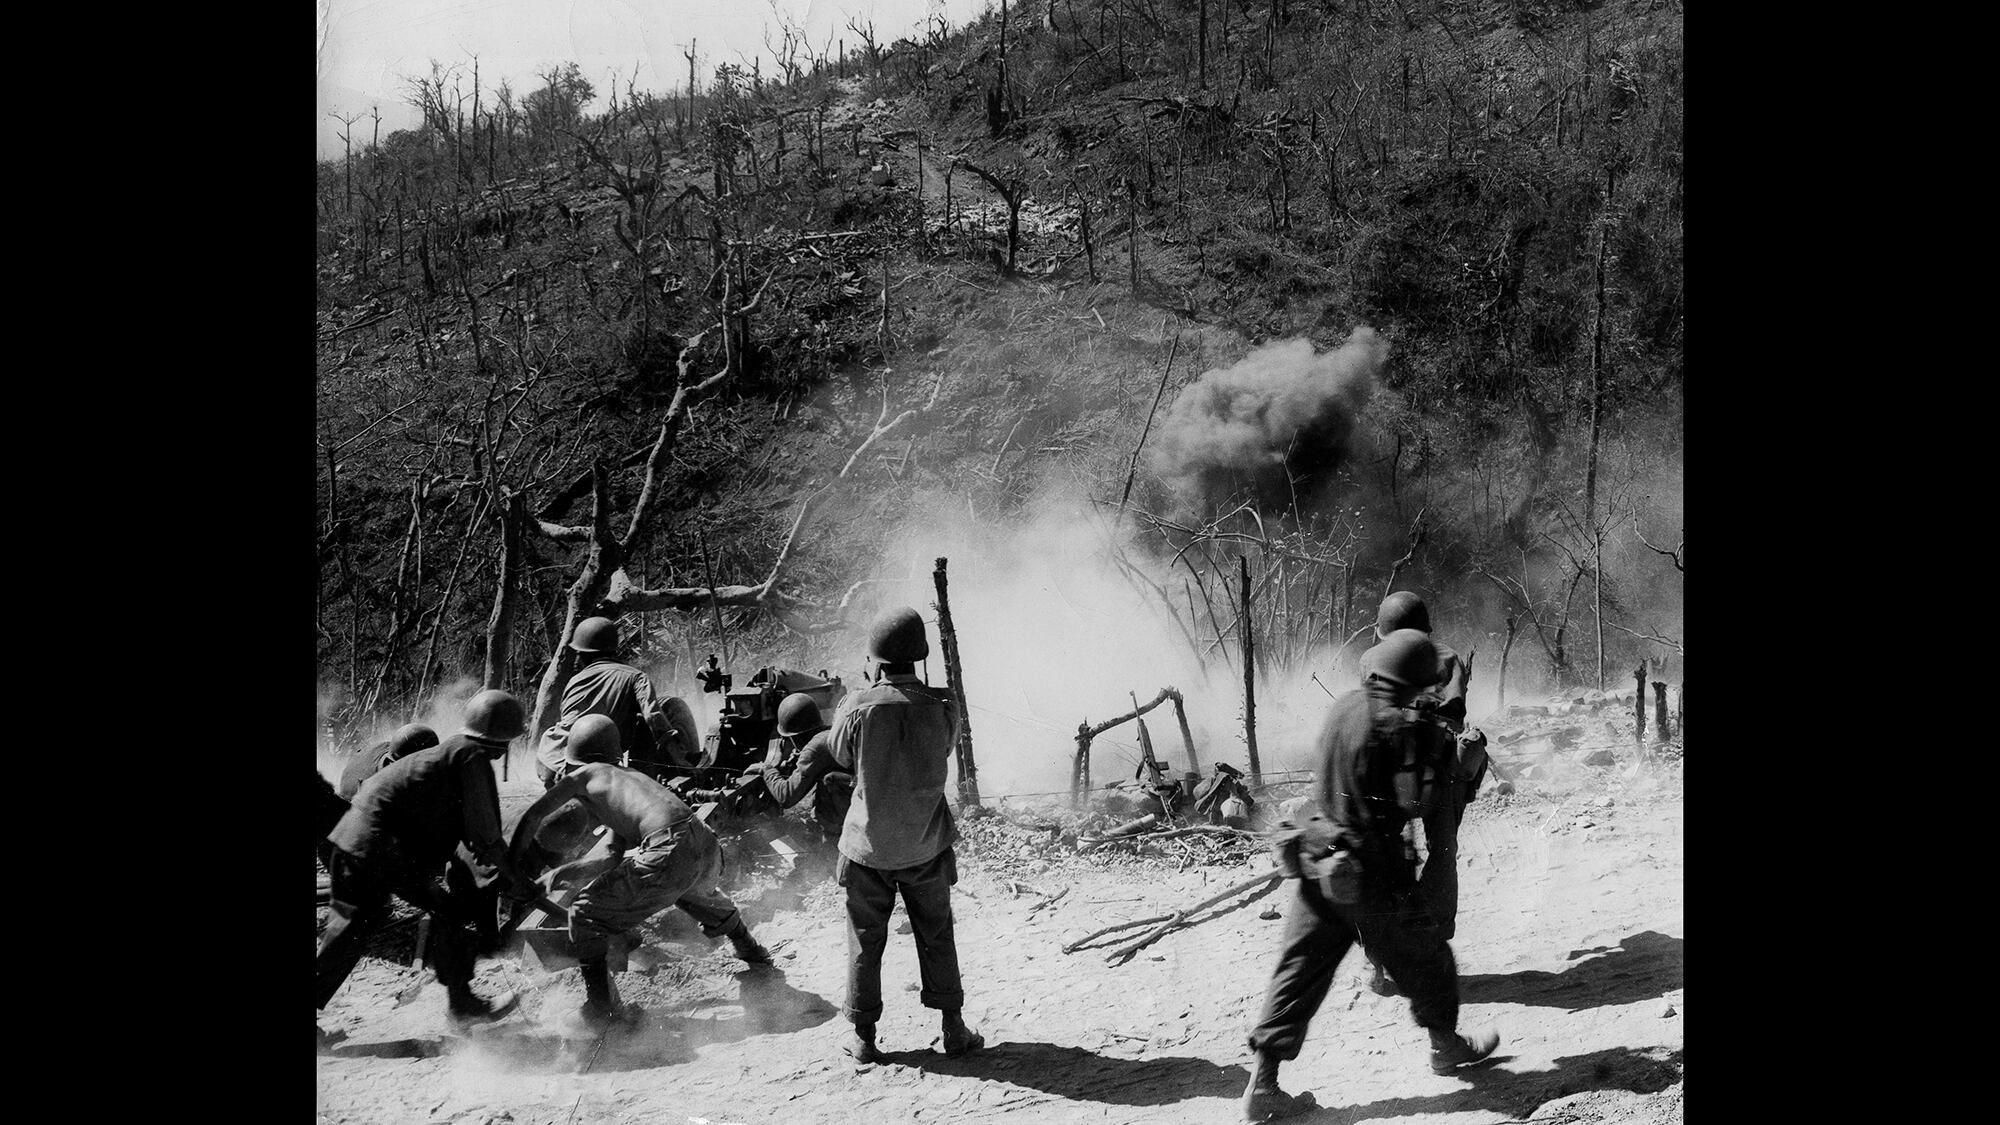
(815, 762)
(480, 801)
(846, 734)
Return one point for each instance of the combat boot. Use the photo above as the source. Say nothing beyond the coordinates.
(860, 1046)
(1379, 982)
(747, 947)
(465, 1007)
(1264, 1101)
(601, 1011)
(1451, 1050)
(958, 1038)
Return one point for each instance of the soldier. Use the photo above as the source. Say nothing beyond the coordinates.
(402, 830)
(603, 686)
(896, 739)
(1443, 702)
(810, 767)
(1359, 877)
(408, 739)
(661, 856)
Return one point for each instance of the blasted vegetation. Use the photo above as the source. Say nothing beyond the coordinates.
(1059, 564)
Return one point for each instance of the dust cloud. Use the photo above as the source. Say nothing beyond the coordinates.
(1278, 418)
(1060, 620)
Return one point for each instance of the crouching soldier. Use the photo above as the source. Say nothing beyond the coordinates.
(661, 856)
(408, 739)
(405, 826)
(1360, 881)
(810, 767)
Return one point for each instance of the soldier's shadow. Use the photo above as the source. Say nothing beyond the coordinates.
(1079, 1074)
(1518, 1095)
(1640, 967)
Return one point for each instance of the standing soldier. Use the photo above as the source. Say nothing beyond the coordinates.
(810, 767)
(602, 686)
(404, 827)
(1359, 877)
(896, 738)
(661, 856)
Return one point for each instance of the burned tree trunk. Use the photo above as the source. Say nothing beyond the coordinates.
(1187, 739)
(1661, 733)
(1250, 678)
(500, 626)
(1512, 624)
(1639, 708)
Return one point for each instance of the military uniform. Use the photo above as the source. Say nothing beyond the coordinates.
(817, 772)
(1444, 703)
(1373, 757)
(896, 739)
(676, 866)
(605, 687)
(405, 826)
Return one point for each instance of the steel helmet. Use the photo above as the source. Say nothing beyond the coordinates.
(595, 634)
(1401, 610)
(408, 739)
(495, 716)
(1405, 656)
(594, 738)
(898, 637)
(798, 716)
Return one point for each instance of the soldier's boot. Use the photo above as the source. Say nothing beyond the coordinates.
(1379, 982)
(465, 1007)
(1451, 1050)
(1264, 1101)
(601, 1010)
(860, 1046)
(747, 947)
(958, 1038)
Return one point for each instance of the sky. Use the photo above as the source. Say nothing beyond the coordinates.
(367, 48)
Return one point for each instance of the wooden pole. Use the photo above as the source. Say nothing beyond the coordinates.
(1187, 739)
(1079, 777)
(968, 773)
(1661, 732)
(1639, 707)
(1250, 678)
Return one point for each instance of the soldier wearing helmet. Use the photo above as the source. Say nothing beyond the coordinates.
(408, 739)
(662, 856)
(405, 827)
(896, 738)
(803, 763)
(1461, 769)
(1374, 756)
(603, 685)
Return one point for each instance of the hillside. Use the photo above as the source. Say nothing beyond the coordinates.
(1389, 294)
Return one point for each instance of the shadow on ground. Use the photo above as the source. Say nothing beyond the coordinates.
(766, 1005)
(1641, 967)
(1082, 1075)
(1496, 1089)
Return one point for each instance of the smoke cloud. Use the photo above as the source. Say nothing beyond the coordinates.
(1278, 420)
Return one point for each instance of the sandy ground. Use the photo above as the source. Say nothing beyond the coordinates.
(1569, 944)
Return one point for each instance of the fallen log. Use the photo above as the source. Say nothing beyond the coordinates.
(1079, 943)
(1199, 829)
(1179, 918)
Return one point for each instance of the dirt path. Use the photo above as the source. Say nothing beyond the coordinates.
(1569, 943)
